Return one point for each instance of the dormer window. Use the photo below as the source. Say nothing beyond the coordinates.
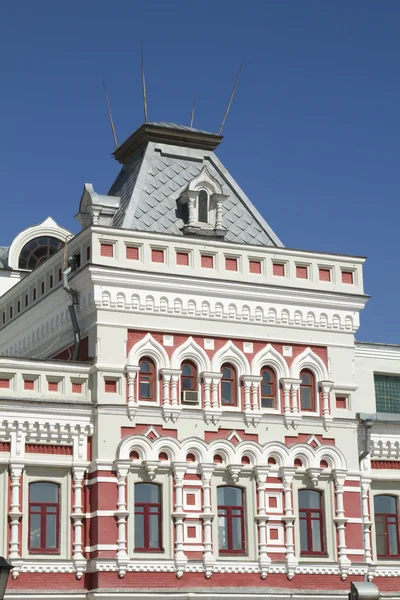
(204, 200)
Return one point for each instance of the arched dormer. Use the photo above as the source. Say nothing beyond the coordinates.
(35, 244)
(204, 200)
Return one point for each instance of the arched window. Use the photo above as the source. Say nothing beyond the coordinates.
(307, 391)
(268, 388)
(386, 526)
(228, 386)
(189, 393)
(44, 518)
(231, 532)
(203, 207)
(148, 517)
(36, 251)
(311, 522)
(147, 380)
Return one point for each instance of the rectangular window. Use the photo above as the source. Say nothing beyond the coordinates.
(42, 287)
(51, 281)
(59, 274)
(26, 299)
(44, 521)
(4, 318)
(311, 523)
(347, 276)
(110, 386)
(255, 267)
(182, 258)
(19, 306)
(147, 517)
(207, 261)
(34, 294)
(11, 312)
(302, 272)
(387, 393)
(231, 264)
(88, 253)
(132, 252)
(107, 250)
(324, 274)
(157, 256)
(231, 528)
(386, 526)
(278, 269)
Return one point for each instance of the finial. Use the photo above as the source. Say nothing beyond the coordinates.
(110, 116)
(144, 89)
(230, 99)
(192, 115)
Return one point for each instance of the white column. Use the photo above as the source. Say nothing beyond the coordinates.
(326, 387)
(262, 518)
(15, 513)
(179, 470)
(286, 386)
(367, 522)
(340, 520)
(166, 382)
(247, 395)
(131, 372)
(122, 515)
(219, 200)
(207, 516)
(207, 389)
(215, 392)
(295, 401)
(254, 392)
(174, 388)
(289, 518)
(77, 517)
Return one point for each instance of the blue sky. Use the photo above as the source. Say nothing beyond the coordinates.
(313, 136)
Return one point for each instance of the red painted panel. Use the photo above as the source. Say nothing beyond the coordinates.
(132, 253)
(107, 250)
(110, 386)
(48, 449)
(190, 499)
(354, 533)
(182, 258)
(191, 532)
(209, 436)
(157, 256)
(141, 428)
(4, 383)
(207, 261)
(324, 274)
(274, 534)
(278, 269)
(4, 446)
(255, 267)
(53, 386)
(76, 388)
(347, 276)
(341, 402)
(302, 272)
(231, 264)
(385, 464)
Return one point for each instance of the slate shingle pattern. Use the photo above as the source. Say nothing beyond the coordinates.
(3, 256)
(157, 210)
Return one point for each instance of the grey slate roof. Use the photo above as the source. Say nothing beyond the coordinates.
(153, 179)
(3, 257)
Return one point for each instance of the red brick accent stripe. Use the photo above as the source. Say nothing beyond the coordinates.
(385, 464)
(48, 449)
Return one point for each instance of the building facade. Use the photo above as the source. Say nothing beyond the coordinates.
(185, 411)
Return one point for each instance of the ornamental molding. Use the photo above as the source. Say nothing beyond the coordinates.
(232, 454)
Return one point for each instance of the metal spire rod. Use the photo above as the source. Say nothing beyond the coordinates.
(192, 115)
(144, 89)
(230, 99)
(110, 116)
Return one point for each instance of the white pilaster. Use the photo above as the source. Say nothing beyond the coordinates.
(180, 558)
(207, 517)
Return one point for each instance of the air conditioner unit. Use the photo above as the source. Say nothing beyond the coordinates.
(190, 397)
